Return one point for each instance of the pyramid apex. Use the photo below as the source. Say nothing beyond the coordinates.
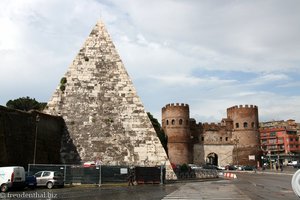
(100, 22)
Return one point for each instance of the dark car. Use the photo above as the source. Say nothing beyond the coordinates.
(248, 168)
(297, 165)
(207, 166)
(230, 167)
(30, 181)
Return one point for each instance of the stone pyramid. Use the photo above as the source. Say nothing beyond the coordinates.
(102, 111)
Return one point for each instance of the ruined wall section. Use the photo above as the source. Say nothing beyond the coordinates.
(176, 125)
(17, 137)
(103, 113)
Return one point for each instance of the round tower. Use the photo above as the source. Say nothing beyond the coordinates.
(245, 135)
(175, 123)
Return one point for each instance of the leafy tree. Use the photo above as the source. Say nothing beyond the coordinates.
(159, 131)
(26, 104)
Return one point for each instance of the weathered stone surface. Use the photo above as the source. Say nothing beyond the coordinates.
(18, 132)
(103, 113)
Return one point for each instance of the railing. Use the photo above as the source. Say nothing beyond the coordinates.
(78, 174)
(197, 174)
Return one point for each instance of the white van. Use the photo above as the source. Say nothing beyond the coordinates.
(12, 177)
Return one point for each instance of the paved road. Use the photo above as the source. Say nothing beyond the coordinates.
(265, 185)
(246, 186)
(222, 189)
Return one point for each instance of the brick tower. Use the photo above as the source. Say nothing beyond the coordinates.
(245, 135)
(175, 123)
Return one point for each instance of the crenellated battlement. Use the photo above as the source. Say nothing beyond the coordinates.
(212, 126)
(242, 107)
(176, 105)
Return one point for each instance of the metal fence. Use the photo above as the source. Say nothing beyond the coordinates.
(197, 174)
(78, 174)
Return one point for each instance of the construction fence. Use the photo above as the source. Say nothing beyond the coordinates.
(79, 174)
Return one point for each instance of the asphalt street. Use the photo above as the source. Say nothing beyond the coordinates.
(247, 186)
(265, 185)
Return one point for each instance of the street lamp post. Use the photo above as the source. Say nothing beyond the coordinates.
(37, 119)
(236, 141)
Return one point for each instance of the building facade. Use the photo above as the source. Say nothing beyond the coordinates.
(280, 141)
(235, 140)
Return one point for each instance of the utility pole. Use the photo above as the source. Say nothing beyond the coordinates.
(236, 141)
(37, 119)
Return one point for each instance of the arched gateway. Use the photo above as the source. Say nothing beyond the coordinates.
(212, 158)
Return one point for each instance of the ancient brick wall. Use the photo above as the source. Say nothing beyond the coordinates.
(235, 135)
(224, 152)
(245, 135)
(176, 125)
(17, 137)
(215, 134)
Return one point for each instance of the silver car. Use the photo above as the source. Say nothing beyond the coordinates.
(49, 179)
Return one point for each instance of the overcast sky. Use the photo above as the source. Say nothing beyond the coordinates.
(209, 54)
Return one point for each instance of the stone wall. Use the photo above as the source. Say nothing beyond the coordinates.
(224, 152)
(18, 130)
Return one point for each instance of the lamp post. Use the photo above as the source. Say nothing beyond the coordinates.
(37, 119)
(236, 141)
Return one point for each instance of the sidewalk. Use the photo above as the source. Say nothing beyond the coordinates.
(286, 171)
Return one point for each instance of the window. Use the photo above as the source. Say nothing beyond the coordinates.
(180, 122)
(226, 138)
(237, 125)
(167, 122)
(264, 141)
(272, 141)
(221, 138)
(173, 121)
(39, 174)
(253, 125)
(202, 139)
(272, 134)
(46, 174)
(245, 125)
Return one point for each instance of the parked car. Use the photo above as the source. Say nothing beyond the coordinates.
(248, 168)
(194, 166)
(49, 179)
(297, 165)
(12, 177)
(292, 163)
(30, 181)
(207, 166)
(230, 167)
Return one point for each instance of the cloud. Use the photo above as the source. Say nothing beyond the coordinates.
(209, 54)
